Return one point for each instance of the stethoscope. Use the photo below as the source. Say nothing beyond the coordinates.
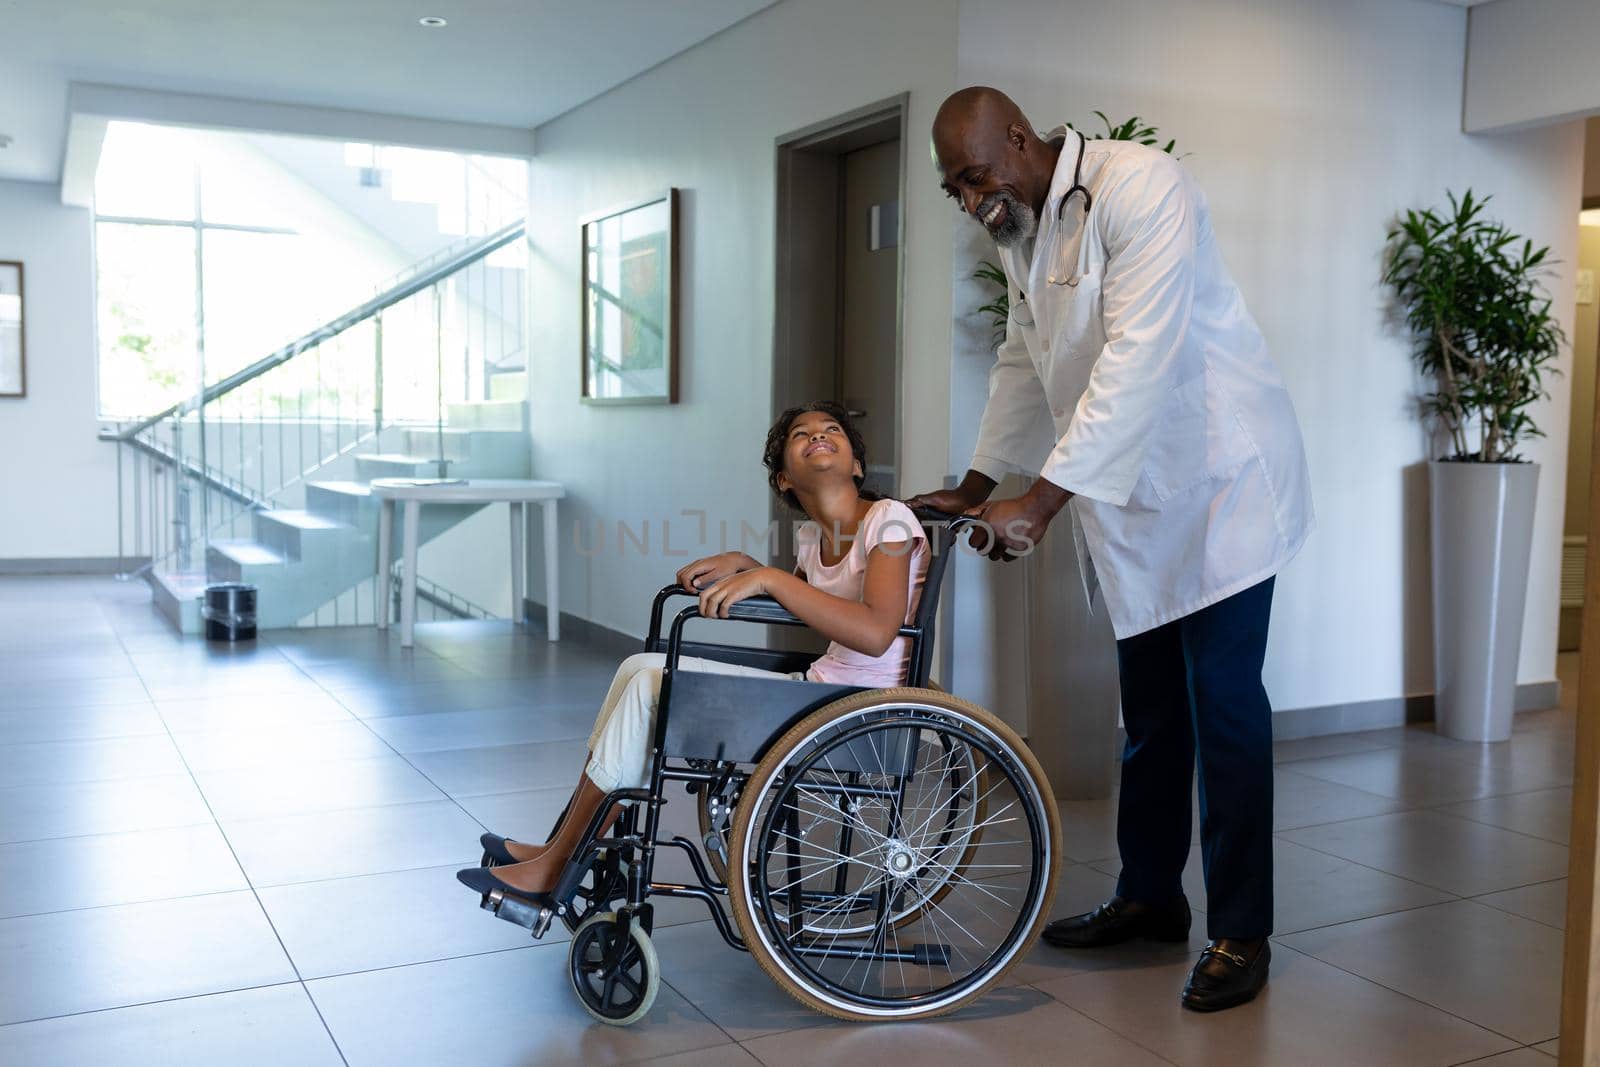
(1077, 184)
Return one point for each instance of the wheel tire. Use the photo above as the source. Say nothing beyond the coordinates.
(592, 935)
(756, 787)
(777, 756)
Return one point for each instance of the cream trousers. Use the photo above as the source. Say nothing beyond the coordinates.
(624, 729)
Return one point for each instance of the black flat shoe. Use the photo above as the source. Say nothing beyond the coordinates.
(482, 880)
(1119, 920)
(1229, 972)
(495, 852)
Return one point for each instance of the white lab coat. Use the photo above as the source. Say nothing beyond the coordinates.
(1133, 375)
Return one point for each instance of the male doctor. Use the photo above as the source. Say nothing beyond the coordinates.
(1135, 384)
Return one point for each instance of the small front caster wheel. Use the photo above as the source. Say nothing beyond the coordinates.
(615, 975)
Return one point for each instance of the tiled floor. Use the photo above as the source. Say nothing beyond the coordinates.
(247, 856)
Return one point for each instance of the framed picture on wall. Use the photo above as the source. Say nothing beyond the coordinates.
(630, 294)
(13, 377)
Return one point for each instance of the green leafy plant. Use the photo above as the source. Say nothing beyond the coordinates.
(1134, 129)
(998, 309)
(1479, 317)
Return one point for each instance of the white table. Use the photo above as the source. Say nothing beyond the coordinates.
(414, 493)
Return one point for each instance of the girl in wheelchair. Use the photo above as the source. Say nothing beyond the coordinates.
(862, 561)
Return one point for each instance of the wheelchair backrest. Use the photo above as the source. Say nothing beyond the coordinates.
(944, 532)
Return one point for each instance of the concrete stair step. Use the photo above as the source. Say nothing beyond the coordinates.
(299, 518)
(498, 447)
(239, 560)
(372, 465)
(357, 489)
(287, 530)
(178, 597)
(248, 553)
(342, 501)
(488, 415)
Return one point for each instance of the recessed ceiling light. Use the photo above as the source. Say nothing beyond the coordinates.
(433, 22)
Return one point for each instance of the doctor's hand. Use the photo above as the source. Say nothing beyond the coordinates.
(973, 490)
(1016, 524)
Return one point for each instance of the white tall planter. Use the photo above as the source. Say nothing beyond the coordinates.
(1482, 536)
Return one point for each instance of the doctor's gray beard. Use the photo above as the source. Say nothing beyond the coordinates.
(1020, 224)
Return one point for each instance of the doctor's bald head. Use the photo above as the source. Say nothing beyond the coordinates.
(990, 159)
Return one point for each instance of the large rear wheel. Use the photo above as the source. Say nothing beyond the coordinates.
(893, 855)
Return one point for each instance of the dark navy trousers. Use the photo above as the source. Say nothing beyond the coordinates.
(1193, 687)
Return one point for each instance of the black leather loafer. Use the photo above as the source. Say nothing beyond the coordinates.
(495, 851)
(1119, 920)
(1229, 972)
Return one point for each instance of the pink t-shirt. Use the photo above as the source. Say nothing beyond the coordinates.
(890, 524)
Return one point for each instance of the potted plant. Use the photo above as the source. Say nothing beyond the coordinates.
(1473, 300)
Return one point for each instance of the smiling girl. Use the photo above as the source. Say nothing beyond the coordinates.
(861, 566)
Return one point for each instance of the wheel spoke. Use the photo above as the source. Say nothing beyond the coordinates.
(937, 774)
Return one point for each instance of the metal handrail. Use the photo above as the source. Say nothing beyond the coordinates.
(228, 487)
(437, 595)
(384, 300)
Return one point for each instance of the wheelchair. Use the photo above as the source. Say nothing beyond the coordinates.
(884, 854)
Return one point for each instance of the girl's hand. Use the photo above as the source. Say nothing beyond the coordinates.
(715, 602)
(702, 573)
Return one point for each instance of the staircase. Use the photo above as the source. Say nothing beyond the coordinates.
(301, 558)
(265, 477)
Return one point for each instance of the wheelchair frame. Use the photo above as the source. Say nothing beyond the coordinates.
(736, 720)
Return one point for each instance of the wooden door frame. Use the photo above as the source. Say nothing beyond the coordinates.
(837, 135)
(1580, 976)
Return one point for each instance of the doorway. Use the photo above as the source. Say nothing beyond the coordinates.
(840, 277)
(837, 316)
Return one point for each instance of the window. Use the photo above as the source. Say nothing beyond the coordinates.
(210, 252)
(216, 249)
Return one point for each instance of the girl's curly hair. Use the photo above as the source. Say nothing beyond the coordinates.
(778, 437)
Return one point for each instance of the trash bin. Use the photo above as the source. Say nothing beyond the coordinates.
(230, 612)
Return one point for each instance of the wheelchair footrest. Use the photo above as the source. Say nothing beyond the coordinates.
(514, 909)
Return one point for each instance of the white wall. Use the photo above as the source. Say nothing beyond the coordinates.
(706, 122)
(1531, 61)
(1310, 124)
(57, 482)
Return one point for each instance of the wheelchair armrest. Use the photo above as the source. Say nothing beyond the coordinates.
(763, 609)
(760, 609)
(751, 609)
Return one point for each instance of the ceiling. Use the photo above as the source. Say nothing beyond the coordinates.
(503, 62)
